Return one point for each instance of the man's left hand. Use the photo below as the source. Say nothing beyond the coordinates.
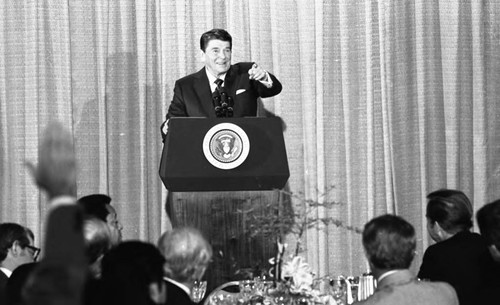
(257, 73)
(56, 170)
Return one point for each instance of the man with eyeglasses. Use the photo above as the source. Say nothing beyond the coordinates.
(16, 249)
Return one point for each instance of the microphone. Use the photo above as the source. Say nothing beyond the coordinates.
(226, 103)
(216, 101)
(230, 104)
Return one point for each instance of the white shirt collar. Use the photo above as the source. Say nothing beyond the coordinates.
(212, 78)
(180, 285)
(7, 272)
(386, 274)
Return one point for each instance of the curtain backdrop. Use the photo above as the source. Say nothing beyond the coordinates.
(383, 100)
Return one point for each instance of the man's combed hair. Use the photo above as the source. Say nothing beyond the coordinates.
(451, 209)
(95, 205)
(218, 34)
(9, 233)
(488, 220)
(389, 242)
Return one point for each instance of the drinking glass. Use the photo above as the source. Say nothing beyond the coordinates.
(247, 289)
(198, 291)
(223, 299)
(367, 285)
(338, 290)
(261, 285)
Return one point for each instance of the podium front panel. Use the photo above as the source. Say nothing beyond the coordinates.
(184, 166)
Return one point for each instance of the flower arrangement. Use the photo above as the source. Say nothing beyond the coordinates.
(295, 282)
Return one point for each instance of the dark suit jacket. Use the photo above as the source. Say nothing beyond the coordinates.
(16, 283)
(462, 261)
(402, 288)
(60, 276)
(193, 96)
(177, 296)
(3, 287)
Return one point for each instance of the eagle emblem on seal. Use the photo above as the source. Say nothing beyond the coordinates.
(226, 146)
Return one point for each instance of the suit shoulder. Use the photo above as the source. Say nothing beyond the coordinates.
(189, 78)
(243, 66)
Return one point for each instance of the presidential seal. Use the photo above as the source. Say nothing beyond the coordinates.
(226, 146)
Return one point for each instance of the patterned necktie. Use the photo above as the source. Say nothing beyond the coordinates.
(218, 82)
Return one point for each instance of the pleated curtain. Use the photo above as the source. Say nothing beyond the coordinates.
(384, 101)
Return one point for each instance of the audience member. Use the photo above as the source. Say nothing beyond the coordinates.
(99, 205)
(16, 249)
(459, 257)
(187, 254)
(97, 238)
(488, 220)
(390, 243)
(60, 276)
(132, 275)
(16, 283)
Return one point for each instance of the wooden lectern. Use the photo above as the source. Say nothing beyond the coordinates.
(207, 193)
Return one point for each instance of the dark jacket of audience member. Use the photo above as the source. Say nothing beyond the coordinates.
(60, 276)
(132, 274)
(15, 241)
(459, 257)
(16, 283)
(488, 220)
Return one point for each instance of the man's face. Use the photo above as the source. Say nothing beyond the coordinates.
(217, 57)
(26, 254)
(114, 225)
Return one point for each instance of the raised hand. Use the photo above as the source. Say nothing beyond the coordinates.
(56, 170)
(257, 73)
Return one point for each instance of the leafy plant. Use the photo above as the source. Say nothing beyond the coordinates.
(276, 221)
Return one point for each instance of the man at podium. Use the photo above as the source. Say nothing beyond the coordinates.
(220, 89)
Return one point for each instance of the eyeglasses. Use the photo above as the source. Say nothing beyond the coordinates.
(36, 251)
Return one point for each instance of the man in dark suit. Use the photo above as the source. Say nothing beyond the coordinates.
(459, 257)
(16, 249)
(197, 95)
(488, 220)
(389, 243)
(187, 254)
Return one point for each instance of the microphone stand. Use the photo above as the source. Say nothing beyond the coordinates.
(223, 103)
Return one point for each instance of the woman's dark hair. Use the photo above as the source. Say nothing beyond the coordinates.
(218, 34)
(451, 209)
